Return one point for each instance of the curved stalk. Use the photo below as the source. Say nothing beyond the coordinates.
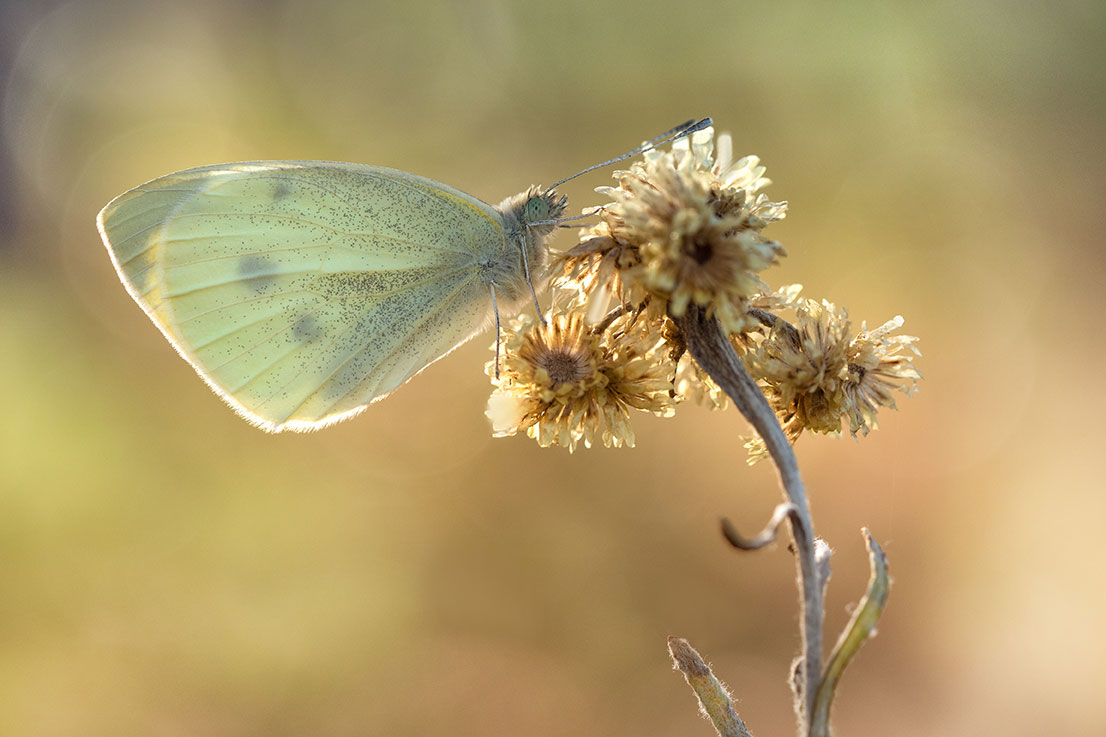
(712, 349)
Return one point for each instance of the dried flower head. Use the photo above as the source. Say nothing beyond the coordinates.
(803, 368)
(683, 228)
(565, 382)
(814, 375)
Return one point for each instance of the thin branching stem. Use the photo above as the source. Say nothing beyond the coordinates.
(610, 317)
(712, 349)
(774, 321)
(765, 537)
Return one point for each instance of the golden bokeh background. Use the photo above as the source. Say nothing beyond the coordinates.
(168, 570)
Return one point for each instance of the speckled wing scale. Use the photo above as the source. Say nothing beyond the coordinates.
(302, 291)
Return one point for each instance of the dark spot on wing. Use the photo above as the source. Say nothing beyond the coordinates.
(282, 189)
(307, 329)
(256, 272)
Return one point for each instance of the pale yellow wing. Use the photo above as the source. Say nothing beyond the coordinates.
(302, 291)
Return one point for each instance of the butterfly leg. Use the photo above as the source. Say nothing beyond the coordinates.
(530, 283)
(495, 309)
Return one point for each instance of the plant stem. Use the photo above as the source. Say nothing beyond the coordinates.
(712, 349)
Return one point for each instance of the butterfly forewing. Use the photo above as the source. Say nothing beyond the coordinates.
(302, 291)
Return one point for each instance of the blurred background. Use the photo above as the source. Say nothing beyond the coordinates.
(167, 569)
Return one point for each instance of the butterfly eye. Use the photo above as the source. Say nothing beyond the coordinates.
(537, 209)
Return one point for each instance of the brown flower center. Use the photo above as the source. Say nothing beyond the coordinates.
(701, 251)
(564, 367)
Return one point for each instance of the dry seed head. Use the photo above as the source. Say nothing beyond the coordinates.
(562, 383)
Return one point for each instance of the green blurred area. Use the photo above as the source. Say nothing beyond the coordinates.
(167, 569)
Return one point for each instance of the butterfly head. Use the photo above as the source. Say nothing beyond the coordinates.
(543, 207)
(531, 216)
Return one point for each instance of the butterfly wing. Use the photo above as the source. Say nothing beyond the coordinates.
(303, 291)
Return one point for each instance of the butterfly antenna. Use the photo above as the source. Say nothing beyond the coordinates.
(560, 222)
(679, 131)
